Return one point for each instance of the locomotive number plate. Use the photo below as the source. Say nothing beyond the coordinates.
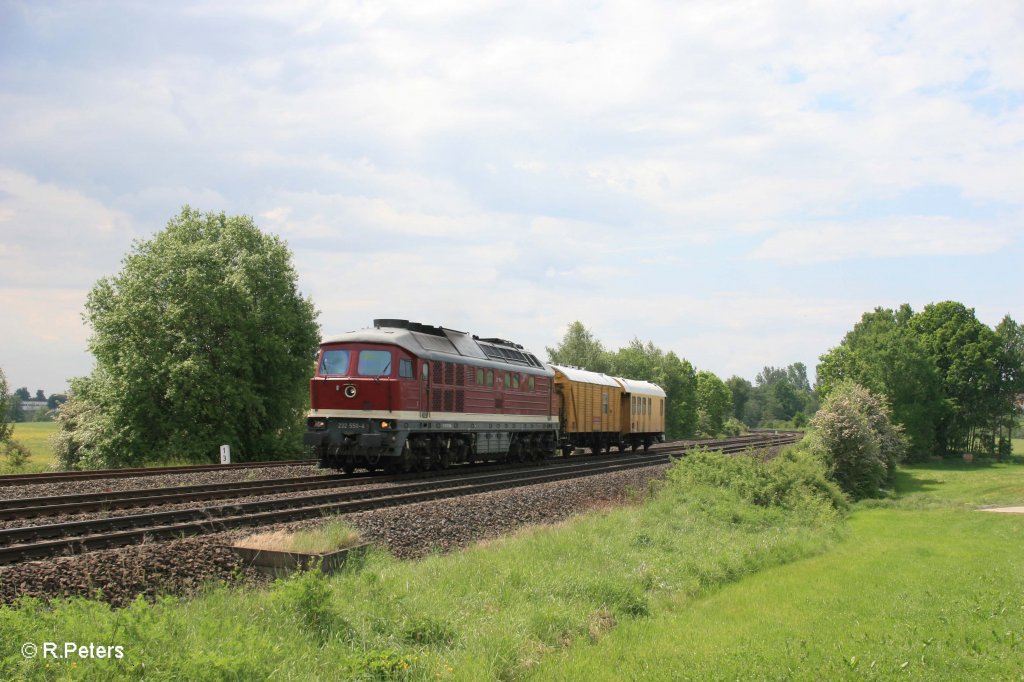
(352, 426)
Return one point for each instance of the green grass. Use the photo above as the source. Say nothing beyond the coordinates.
(494, 611)
(1018, 446)
(36, 437)
(327, 537)
(923, 587)
(696, 583)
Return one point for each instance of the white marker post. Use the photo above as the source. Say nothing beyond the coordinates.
(225, 454)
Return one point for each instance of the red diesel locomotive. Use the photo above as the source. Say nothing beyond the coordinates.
(406, 396)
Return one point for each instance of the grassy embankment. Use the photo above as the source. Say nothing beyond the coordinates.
(491, 612)
(697, 583)
(923, 587)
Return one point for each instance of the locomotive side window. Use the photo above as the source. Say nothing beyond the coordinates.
(405, 368)
(334, 362)
(374, 363)
(479, 376)
(426, 371)
(533, 385)
(490, 377)
(515, 381)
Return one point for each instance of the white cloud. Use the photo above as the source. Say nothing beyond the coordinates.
(897, 237)
(436, 160)
(51, 235)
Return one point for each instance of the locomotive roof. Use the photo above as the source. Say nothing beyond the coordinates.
(637, 387)
(446, 345)
(586, 376)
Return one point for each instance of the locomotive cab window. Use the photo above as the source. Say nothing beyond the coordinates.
(374, 363)
(405, 368)
(334, 362)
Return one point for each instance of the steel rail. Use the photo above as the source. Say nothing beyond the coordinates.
(31, 507)
(125, 530)
(59, 476)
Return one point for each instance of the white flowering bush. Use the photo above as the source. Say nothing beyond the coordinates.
(854, 434)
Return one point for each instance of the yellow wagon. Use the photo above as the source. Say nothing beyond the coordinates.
(589, 406)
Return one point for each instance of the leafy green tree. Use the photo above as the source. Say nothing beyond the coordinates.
(965, 353)
(714, 404)
(884, 354)
(639, 361)
(1010, 337)
(15, 410)
(201, 339)
(740, 389)
(6, 427)
(40, 395)
(579, 348)
(854, 434)
(23, 393)
(56, 400)
(779, 394)
(681, 397)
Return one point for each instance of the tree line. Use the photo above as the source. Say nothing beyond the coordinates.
(954, 384)
(12, 405)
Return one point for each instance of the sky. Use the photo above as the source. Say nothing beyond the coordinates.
(737, 182)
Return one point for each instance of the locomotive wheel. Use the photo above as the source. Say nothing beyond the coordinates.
(348, 468)
(445, 460)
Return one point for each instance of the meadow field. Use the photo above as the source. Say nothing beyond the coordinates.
(36, 437)
(923, 586)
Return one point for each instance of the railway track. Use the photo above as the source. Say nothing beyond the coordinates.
(58, 476)
(51, 505)
(39, 541)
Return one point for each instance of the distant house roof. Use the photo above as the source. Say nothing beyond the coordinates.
(33, 405)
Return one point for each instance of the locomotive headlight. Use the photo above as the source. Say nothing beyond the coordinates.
(385, 425)
(318, 424)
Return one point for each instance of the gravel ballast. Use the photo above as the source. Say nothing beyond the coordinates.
(182, 567)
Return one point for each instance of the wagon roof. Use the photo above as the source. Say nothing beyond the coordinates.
(586, 376)
(637, 387)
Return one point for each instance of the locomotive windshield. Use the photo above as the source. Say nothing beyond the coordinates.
(334, 362)
(374, 363)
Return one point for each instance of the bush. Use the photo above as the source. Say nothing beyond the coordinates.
(794, 480)
(734, 427)
(855, 437)
(15, 453)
